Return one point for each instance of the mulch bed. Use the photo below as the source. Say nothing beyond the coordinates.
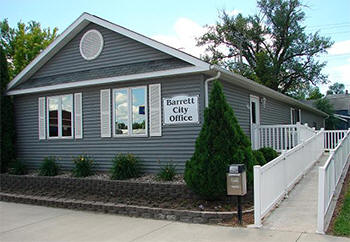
(340, 202)
(225, 205)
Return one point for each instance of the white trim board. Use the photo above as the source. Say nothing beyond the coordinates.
(84, 19)
(173, 72)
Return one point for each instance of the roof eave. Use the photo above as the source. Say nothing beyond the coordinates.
(256, 87)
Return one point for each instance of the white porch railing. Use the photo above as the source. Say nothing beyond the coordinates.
(275, 179)
(332, 138)
(330, 174)
(281, 137)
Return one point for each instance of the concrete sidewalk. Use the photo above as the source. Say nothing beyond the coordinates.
(19, 222)
(298, 212)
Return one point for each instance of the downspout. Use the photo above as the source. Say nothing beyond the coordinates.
(206, 88)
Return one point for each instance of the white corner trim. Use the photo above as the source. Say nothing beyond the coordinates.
(179, 71)
(84, 19)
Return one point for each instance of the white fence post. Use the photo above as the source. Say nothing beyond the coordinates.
(257, 196)
(321, 194)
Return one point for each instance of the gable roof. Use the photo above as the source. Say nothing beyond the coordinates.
(199, 66)
(84, 19)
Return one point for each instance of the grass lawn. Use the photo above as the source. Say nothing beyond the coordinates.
(342, 222)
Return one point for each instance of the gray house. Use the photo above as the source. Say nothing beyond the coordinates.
(101, 89)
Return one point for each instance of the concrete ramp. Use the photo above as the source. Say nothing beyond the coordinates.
(298, 212)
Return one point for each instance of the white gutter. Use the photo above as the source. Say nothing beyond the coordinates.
(206, 88)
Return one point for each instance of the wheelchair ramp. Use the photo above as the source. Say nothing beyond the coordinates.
(298, 212)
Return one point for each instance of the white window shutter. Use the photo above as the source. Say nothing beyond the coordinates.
(105, 109)
(78, 116)
(42, 123)
(155, 110)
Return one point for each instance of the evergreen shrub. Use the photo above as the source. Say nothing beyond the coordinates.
(269, 153)
(49, 167)
(221, 142)
(83, 166)
(259, 157)
(125, 166)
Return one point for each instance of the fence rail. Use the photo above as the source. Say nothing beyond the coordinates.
(283, 137)
(332, 138)
(275, 179)
(330, 173)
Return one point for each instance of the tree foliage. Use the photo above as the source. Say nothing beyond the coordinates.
(276, 50)
(324, 105)
(24, 43)
(7, 129)
(221, 142)
(336, 88)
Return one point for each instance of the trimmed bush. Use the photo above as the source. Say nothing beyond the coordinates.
(17, 167)
(221, 142)
(83, 166)
(49, 167)
(125, 166)
(269, 153)
(167, 173)
(259, 157)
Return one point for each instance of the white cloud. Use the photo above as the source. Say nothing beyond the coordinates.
(184, 39)
(340, 48)
(234, 12)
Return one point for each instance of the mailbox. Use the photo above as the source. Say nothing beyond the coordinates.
(236, 180)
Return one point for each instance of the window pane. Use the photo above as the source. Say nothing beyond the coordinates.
(53, 116)
(253, 113)
(138, 110)
(67, 114)
(121, 111)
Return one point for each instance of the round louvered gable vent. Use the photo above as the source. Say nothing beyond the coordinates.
(91, 44)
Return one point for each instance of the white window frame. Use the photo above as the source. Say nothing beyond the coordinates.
(130, 114)
(295, 111)
(59, 117)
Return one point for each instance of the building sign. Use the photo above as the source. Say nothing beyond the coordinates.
(180, 109)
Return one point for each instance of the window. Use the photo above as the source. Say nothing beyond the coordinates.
(253, 112)
(60, 116)
(295, 115)
(130, 111)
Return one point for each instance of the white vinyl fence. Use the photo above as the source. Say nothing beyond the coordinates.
(275, 179)
(329, 176)
(283, 137)
(332, 138)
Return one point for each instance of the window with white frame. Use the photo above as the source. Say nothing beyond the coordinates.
(60, 116)
(130, 111)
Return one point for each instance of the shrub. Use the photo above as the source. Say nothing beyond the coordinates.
(268, 153)
(125, 166)
(83, 166)
(17, 167)
(48, 167)
(259, 157)
(221, 142)
(167, 173)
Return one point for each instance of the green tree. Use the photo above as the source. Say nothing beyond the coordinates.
(315, 94)
(7, 129)
(221, 142)
(273, 46)
(24, 43)
(324, 105)
(336, 88)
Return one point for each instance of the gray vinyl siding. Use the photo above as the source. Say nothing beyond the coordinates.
(238, 98)
(310, 119)
(274, 112)
(176, 143)
(117, 50)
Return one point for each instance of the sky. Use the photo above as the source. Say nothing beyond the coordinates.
(178, 23)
